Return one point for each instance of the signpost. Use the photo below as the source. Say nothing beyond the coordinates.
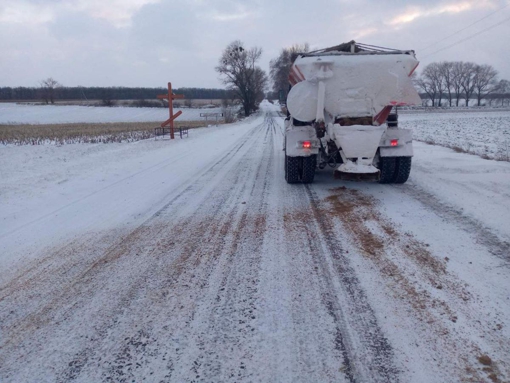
(207, 115)
(170, 97)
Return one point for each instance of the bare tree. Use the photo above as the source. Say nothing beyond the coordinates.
(259, 84)
(49, 89)
(485, 81)
(428, 87)
(238, 70)
(446, 70)
(434, 72)
(280, 67)
(468, 80)
(457, 73)
(504, 91)
(431, 82)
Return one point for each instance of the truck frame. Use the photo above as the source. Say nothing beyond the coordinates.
(342, 114)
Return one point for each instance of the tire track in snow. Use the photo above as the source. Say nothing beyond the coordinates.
(203, 365)
(181, 198)
(366, 353)
(57, 294)
(154, 168)
(440, 303)
(227, 328)
(483, 234)
(181, 297)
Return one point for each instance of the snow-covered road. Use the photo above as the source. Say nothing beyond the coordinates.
(193, 260)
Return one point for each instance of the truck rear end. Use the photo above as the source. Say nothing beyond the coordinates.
(342, 115)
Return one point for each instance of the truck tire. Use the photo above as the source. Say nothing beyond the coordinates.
(402, 170)
(308, 171)
(387, 167)
(292, 169)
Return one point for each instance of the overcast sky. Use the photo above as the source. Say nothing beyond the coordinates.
(151, 42)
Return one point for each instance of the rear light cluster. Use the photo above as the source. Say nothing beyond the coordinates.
(311, 144)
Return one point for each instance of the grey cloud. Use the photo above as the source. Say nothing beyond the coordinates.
(182, 41)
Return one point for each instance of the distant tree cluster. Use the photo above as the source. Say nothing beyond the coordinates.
(51, 90)
(239, 72)
(280, 69)
(458, 80)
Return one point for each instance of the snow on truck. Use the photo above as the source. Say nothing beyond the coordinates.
(340, 113)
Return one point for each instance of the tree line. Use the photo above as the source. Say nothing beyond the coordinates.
(453, 81)
(51, 91)
(247, 83)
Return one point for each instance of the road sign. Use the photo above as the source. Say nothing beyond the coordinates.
(211, 114)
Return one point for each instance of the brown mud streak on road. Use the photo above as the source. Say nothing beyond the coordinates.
(354, 210)
(188, 275)
(47, 267)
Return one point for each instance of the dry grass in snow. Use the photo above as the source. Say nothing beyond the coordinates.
(82, 132)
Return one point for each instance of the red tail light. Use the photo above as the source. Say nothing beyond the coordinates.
(307, 144)
(393, 142)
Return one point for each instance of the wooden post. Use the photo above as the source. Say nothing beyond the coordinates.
(171, 109)
(171, 97)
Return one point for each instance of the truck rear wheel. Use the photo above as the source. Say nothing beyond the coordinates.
(308, 171)
(387, 167)
(402, 169)
(292, 169)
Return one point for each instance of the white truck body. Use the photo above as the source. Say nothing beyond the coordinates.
(340, 101)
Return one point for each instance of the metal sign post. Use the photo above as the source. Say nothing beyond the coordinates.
(170, 97)
(207, 115)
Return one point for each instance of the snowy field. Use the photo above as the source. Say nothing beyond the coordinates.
(193, 260)
(486, 133)
(58, 114)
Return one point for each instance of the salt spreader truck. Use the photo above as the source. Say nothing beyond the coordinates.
(341, 113)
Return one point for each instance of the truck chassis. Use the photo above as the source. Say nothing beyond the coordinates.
(342, 113)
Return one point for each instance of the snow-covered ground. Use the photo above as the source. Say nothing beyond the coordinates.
(193, 260)
(57, 114)
(485, 133)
